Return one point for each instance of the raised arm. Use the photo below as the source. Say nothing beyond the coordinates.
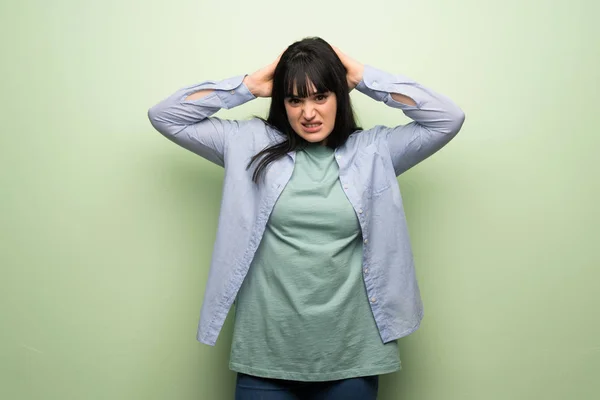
(185, 116)
(436, 118)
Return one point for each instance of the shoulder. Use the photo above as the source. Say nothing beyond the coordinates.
(254, 135)
(368, 138)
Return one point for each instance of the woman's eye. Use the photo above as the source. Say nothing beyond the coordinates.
(293, 101)
(321, 97)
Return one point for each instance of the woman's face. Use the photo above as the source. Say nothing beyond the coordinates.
(312, 117)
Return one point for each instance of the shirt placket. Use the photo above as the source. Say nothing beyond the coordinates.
(361, 212)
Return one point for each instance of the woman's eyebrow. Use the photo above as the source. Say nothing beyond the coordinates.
(315, 93)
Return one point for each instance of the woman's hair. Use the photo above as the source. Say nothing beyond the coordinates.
(311, 60)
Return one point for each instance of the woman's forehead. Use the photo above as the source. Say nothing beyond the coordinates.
(309, 87)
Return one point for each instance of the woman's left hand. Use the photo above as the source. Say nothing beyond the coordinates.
(354, 69)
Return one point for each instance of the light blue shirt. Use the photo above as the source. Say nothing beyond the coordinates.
(368, 162)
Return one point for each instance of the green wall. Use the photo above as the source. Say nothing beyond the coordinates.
(107, 228)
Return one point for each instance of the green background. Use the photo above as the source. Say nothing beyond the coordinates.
(107, 228)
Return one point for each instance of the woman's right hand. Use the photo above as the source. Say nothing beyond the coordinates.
(260, 83)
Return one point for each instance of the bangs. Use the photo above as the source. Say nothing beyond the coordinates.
(301, 75)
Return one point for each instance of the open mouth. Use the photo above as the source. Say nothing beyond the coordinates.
(312, 127)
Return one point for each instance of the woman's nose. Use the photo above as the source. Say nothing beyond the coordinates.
(309, 111)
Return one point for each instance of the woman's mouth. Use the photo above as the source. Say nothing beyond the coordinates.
(312, 127)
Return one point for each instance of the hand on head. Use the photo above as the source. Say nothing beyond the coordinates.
(354, 69)
(260, 83)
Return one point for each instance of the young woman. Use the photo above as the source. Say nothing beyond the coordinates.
(312, 240)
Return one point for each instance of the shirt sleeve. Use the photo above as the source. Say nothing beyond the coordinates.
(189, 123)
(436, 118)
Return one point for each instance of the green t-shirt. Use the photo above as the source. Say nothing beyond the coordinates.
(302, 312)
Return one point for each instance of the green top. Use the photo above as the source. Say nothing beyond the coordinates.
(302, 312)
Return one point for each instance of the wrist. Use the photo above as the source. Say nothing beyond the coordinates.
(251, 85)
(357, 74)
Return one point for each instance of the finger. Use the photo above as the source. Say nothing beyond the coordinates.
(339, 53)
(279, 57)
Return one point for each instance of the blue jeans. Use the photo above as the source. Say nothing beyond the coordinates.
(250, 387)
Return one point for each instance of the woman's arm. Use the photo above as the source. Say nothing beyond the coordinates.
(436, 118)
(260, 83)
(184, 117)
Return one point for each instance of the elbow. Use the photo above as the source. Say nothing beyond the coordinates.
(457, 119)
(161, 120)
(156, 120)
(153, 116)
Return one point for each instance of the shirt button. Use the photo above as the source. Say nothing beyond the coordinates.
(366, 270)
(375, 83)
(366, 241)
(373, 299)
(345, 187)
(232, 92)
(360, 210)
(339, 157)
